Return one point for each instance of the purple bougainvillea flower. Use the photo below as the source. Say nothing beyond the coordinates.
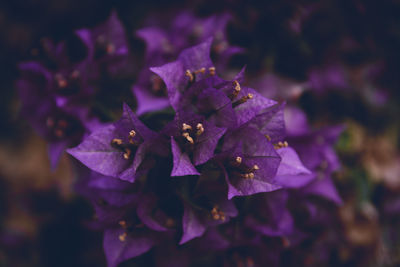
(324, 188)
(193, 141)
(164, 45)
(64, 82)
(54, 98)
(159, 213)
(249, 162)
(198, 217)
(62, 124)
(178, 74)
(174, 76)
(108, 195)
(315, 149)
(333, 76)
(276, 219)
(272, 85)
(220, 171)
(107, 45)
(119, 149)
(129, 218)
(192, 84)
(55, 92)
(133, 245)
(165, 40)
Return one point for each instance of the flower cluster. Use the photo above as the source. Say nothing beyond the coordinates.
(187, 177)
(203, 164)
(57, 91)
(164, 43)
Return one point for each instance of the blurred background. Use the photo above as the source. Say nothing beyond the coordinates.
(338, 60)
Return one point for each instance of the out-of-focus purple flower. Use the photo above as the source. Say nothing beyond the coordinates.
(302, 13)
(107, 45)
(196, 219)
(273, 86)
(315, 149)
(50, 103)
(291, 172)
(333, 76)
(55, 94)
(276, 220)
(133, 221)
(165, 40)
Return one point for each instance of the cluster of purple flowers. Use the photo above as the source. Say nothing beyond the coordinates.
(211, 169)
(57, 91)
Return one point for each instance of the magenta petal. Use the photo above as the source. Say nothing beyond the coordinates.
(145, 210)
(97, 153)
(207, 143)
(256, 151)
(217, 107)
(129, 121)
(248, 110)
(192, 226)
(325, 189)
(118, 251)
(182, 164)
(98, 181)
(173, 74)
(197, 57)
(155, 39)
(291, 171)
(250, 187)
(147, 101)
(296, 121)
(277, 219)
(271, 122)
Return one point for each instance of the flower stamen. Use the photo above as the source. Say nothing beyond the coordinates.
(242, 100)
(157, 84)
(186, 127)
(200, 129)
(238, 160)
(188, 137)
(202, 70)
(110, 48)
(255, 167)
(285, 242)
(122, 237)
(189, 74)
(236, 90)
(132, 134)
(116, 142)
(217, 214)
(123, 224)
(127, 153)
(211, 70)
(249, 175)
(169, 222)
(61, 81)
(75, 74)
(280, 145)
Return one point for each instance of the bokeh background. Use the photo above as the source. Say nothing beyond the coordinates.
(339, 60)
